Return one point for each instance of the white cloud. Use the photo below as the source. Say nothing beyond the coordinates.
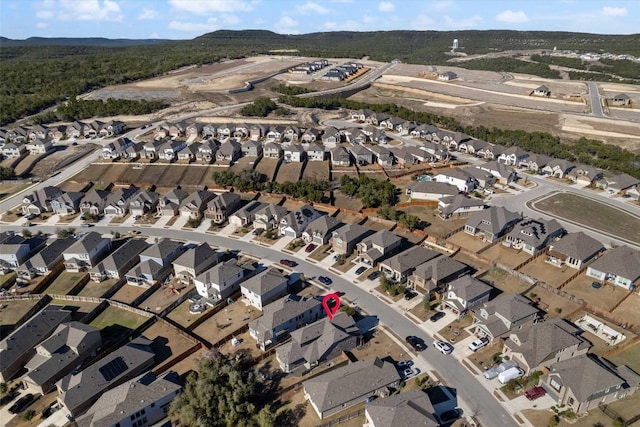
(148, 14)
(423, 22)
(386, 6)
(154, 36)
(286, 23)
(89, 10)
(512, 17)
(311, 7)
(203, 7)
(45, 14)
(440, 5)
(368, 19)
(614, 11)
(192, 27)
(42, 25)
(460, 23)
(349, 25)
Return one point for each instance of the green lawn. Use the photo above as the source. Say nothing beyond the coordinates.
(64, 283)
(116, 316)
(593, 214)
(93, 289)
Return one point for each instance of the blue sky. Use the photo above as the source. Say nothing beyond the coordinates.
(186, 19)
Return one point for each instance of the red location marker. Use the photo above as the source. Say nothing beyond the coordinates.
(331, 310)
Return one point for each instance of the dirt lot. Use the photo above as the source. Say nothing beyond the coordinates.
(93, 289)
(469, 260)
(166, 342)
(11, 312)
(181, 314)
(504, 281)
(348, 218)
(243, 163)
(267, 167)
(226, 321)
(289, 172)
(437, 226)
(507, 256)
(629, 309)
(606, 297)
(547, 273)
(410, 236)
(467, 241)
(128, 293)
(160, 299)
(318, 171)
(551, 303)
(8, 188)
(377, 226)
(591, 214)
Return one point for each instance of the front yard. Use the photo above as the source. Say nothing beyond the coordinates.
(455, 331)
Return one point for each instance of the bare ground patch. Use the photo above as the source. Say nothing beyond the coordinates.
(506, 256)
(546, 272)
(289, 172)
(606, 297)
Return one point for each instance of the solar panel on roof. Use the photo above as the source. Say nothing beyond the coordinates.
(113, 368)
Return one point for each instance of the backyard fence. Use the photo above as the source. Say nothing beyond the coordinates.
(344, 418)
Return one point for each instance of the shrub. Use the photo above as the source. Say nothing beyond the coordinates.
(28, 415)
(553, 421)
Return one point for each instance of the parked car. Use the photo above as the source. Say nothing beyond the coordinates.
(21, 404)
(373, 275)
(416, 343)
(404, 364)
(443, 346)
(325, 280)
(510, 374)
(437, 316)
(450, 415)
(478, 344)
(257, 231)
(86, 224)
(361, 270)
(310, 248)
(534, 393)
(288, 262)
(409, 295)
(410, 372)
(494, 372)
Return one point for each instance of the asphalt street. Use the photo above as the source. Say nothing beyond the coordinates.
(594, 95)
(473, 398)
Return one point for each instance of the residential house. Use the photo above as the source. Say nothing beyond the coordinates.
(361, 155)
(241, 131)
(411, 408)
(291, 134)
(142, 401)
(39, 146)
(402, 156)
(67, 348)
(500, 316)
(265, 287)
(406, 127)
(621, 183)
(229, 151)
(458, 177)
(621, 100)
(319, 342)
(115, 149)
(294, 223)
(485, 179)
(271, 150)
(143, 202)
(491, 151)
(574, 250)
(112, 128)
(209, 130)
(391, 122)
(16, 249)
(195, 204)
(77, 392)
(225, 131)
(433, 275)
(376, 118)
(220, 281)
(458, 206)
(169, 204)
(76, 129)
(447, 76)
(544, 343)
(245, 216)
(251, 148)
(268, 217)
(619, 266)
(275, 134)
(195, 261)
(294, 153)
(382, 156)
(114, 266)
(361, 115)
(207, 152)
(194, 130)
(491, 223)
(67, 203)
(429, 190)
(39, 201)
(133, 152)
(118, 201)
(558, 168)
(310, 135)
(86, 252)
(258, 131)
(401, 266)
(503, 173)
(541, 91)
(315, 152)
(423, 131)
(533, 235)
(153, 149)
(585, 175)
(223, 205)
(20, 345)
(38, 132)
(345, 238)
(11, 150)
(331, 136)
(18, 134)
(320, 230)
(344, 387)
(465, 293)
(169, 150)
(176, 130)
(376, 247)
(155, 263)
(472, 146)
(513, 156)
(535, 162)
(45, 261)
(283, 316)
(587, 382)
(355, 136)
(340, 156)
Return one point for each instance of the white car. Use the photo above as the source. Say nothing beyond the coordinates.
(478, 344)
(410, 372)
(443, 346)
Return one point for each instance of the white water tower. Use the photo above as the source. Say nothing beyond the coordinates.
(455, 44)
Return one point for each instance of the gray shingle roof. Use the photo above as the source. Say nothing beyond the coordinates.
(578, 246)
(410, 259)
(322, 225)
(535, 232)
(220, 273)
(440, 268)
(266, 281)
(86, 243)
(493, 220)
(162, 249)
(196, 256)
(621, 261)
(351, 232)
(412, 408)
(468, 287)
(432, 187)
(280, 311)
(118, 259)
(453, 203)
(344, 384)
(46, 257)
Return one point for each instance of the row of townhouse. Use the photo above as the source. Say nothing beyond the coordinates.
(77, 129)
(309, 67)
(341, 72)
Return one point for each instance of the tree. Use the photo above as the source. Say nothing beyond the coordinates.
(26, 233)
(6, 173)
(410, 221)
(388, 212)
(222, 393)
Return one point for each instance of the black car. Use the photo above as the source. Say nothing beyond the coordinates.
(437, 316)
(450, 415)
(416, 343)
(325, 280)
(409, 295)
(361, 270)
(21, 404)
(373, 275)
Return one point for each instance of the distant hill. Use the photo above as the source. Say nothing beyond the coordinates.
(64, 41)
